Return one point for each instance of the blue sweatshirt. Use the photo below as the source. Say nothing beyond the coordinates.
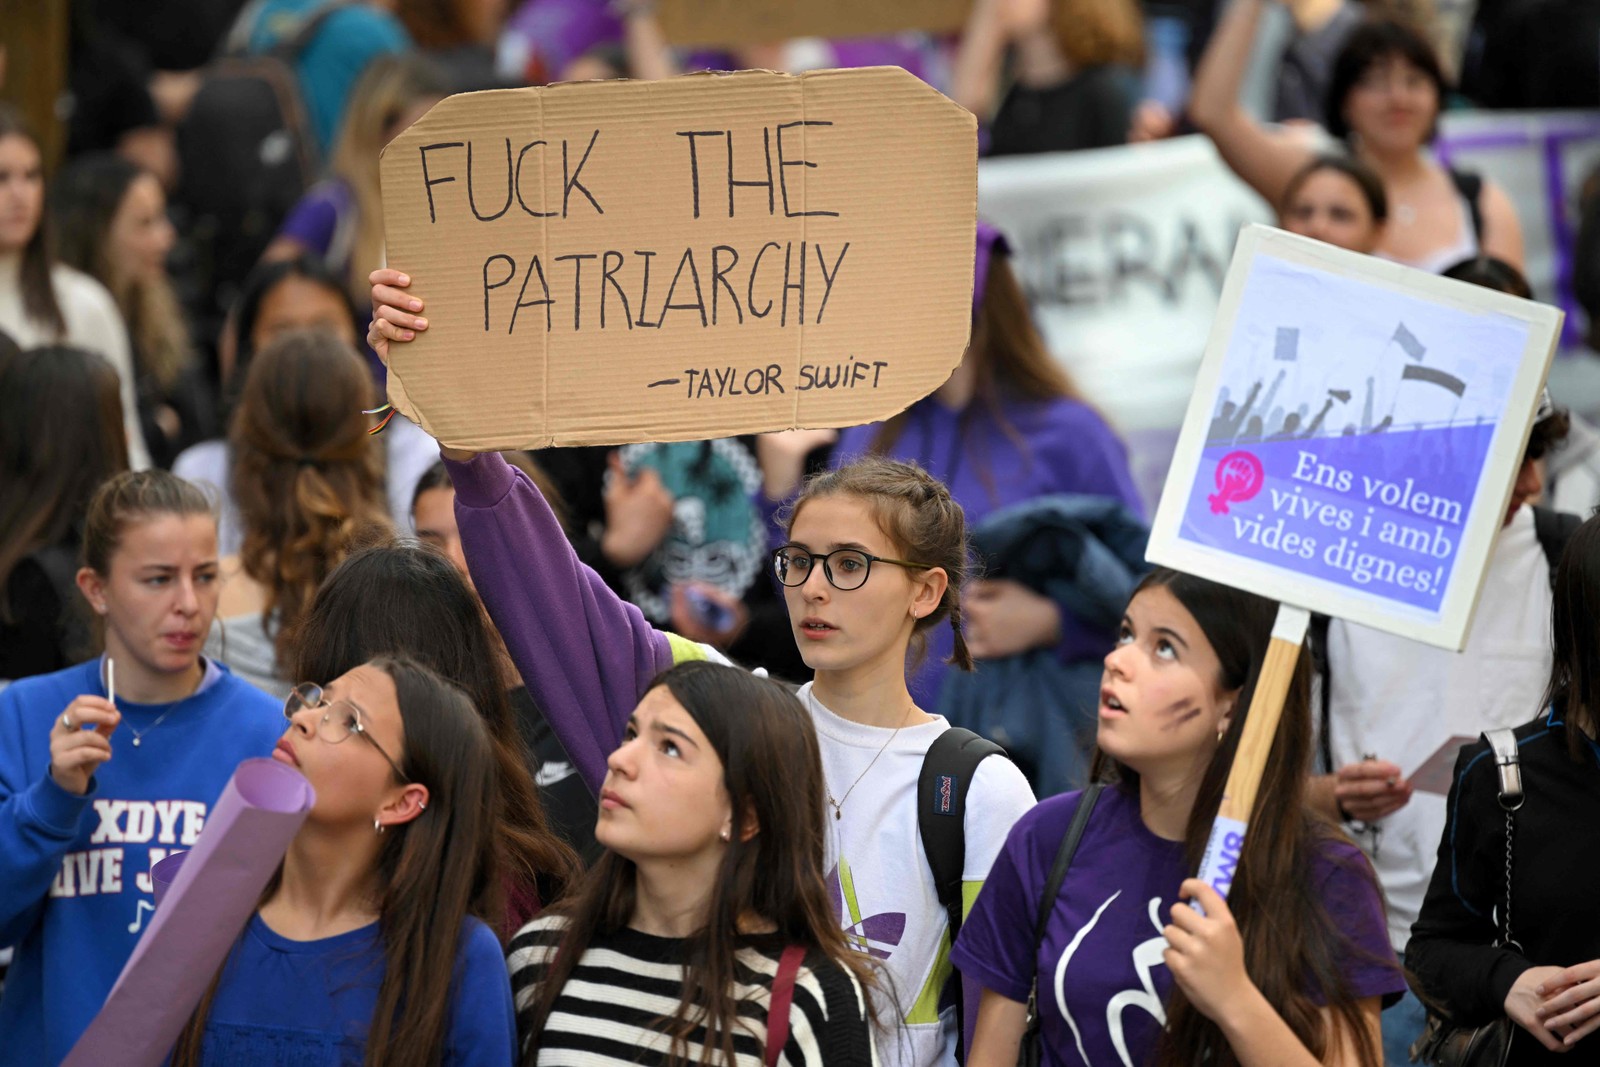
(310, 1003)
(75, 888)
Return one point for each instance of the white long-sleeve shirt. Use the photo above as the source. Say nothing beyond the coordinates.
(93, 323)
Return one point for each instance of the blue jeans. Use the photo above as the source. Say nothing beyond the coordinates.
(1402, 1024)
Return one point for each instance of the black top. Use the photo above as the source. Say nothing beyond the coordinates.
(47, 628)
(1555, 869)
(570, 807)
(1092, 109)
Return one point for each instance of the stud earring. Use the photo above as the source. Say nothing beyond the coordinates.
(725, 835)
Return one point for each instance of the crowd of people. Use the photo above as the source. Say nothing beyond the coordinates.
(645, 734)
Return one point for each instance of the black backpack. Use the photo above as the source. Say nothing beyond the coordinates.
(947, 771)
(247, 153)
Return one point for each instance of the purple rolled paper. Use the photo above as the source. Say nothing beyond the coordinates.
(163, 871)
(211, 898)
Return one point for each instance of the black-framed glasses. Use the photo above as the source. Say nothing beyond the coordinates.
(845, 568)
(340, 719)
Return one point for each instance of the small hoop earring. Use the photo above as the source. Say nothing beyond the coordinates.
(1221, 732)
(377, 827)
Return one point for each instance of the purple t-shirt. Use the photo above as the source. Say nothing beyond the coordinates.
(1102, 982)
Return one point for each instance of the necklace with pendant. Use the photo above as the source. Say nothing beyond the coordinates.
(838, 805)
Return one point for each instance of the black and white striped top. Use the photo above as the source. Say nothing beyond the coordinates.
(616, 1004)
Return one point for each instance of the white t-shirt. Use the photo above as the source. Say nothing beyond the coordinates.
(93, 323)
(1400, 700)
(879, 871)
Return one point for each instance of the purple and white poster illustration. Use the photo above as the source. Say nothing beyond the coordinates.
(1349, 432)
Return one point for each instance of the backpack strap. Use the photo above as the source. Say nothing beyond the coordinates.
(1470, 185)
(1052, 889)
(947, 771)
(1064, 854)
(778, 1005)
(1554, 529)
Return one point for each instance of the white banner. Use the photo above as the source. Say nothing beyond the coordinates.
(1123, 251)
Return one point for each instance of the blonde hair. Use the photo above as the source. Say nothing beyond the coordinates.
(1093, 33)
(390, 86)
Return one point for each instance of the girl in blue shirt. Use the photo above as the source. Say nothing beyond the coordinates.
(94, 790)
(363, 949)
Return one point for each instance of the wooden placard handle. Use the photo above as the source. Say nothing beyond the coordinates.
(1260, 727)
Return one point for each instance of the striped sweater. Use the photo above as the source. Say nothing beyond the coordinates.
(616, 1005)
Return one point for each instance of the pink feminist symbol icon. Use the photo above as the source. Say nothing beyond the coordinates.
(1239, 477)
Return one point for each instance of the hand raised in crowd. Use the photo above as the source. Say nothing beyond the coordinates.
(1005, 618)
(1206, 953)
(396, 314)
(783, 458)
(396, 319)
(718, 619)
(638, 513)
(1371, 789)
(75, 752)
(1525, 1000)
(1570, 1007)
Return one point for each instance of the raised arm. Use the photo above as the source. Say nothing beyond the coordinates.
(1263, 158)
(585, 654)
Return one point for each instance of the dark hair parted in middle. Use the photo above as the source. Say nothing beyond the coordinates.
(772, 771)
(432, 873)
(1292, 949)
(1369, 44)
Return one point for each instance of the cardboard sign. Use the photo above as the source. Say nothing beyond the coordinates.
(743, 22)
(1354, 435)
(620, 262)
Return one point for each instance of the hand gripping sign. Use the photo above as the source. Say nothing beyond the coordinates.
(1350, 449)
(622, 262)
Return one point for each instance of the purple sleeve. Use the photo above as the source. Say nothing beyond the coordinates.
(585, 654)
(313, 220)
(996, 947)
(1355, 910)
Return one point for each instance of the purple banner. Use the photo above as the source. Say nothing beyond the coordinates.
(1377, 513)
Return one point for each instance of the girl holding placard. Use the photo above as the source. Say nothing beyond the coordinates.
(874, 560)
(108, 766)
(1291, 969)
(365, 947)
(711, 884)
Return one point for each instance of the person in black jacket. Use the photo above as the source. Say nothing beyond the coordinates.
(1547, 977)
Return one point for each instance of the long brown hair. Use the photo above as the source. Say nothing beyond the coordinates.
(1292, 949)
(430, 872)
(407, 599)
(85, 200)
(919, 515)
(1009, 360)
(772, 770)
(388, 88)
(307, 477)
(38, 294)
(61, 436)
(1093, 33)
